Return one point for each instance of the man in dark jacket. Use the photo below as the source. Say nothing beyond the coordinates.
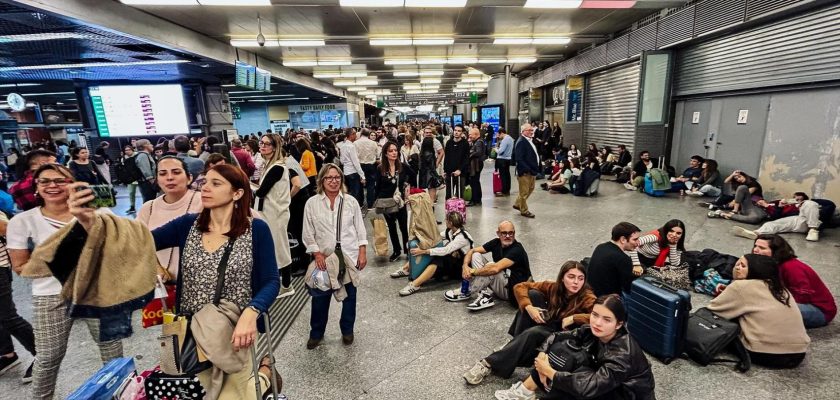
(477, 157)
(527, 168)
(456, 163)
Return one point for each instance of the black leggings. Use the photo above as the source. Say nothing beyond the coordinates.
(286, 276)
(398, 218)
(777, 361)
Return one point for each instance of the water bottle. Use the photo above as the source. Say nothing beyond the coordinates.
(465, 287)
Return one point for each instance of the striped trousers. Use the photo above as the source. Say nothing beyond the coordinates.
(52, 330)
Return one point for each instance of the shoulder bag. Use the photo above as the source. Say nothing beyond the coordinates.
(179, 354)
(708, 335)
(390, 205)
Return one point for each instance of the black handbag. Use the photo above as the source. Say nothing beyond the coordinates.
(160, 386)
(708, 335)
(179, 350)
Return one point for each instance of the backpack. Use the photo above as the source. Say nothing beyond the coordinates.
(128, 171)
(708, 334)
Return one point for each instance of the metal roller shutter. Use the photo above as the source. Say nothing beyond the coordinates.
(611, 100)
(799, 50)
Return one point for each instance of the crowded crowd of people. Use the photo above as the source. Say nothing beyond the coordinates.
(236, 221)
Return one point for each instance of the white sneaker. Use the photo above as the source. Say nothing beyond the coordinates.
(516, 392)
(477, 373)
(695, 193)
(813, 235)
(399, 273)
(742, 232)
(485, 300)
(455, 295)
(629, 186)
(409, 290)
(285, 292)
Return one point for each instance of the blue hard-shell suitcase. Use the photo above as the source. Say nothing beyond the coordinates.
(657, 316)
(417, 264)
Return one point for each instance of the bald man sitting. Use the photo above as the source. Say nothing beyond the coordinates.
(494, 278)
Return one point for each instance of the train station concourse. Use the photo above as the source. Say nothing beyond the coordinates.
(419, 199)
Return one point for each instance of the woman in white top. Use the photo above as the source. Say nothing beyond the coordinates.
(272, 199)
(51, 323)
(173, 178)
(447, 259)
(573, 151)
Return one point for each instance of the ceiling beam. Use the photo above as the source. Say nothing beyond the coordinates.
(129, 21)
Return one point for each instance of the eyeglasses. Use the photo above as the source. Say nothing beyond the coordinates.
(506, 233)
(57, 181)
(266, 144)
(332, 178)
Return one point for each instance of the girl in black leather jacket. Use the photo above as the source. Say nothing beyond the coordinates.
(598, 361)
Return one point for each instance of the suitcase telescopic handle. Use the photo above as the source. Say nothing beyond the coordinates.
(660, 284)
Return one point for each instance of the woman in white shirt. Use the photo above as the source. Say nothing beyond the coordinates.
(573, 151)
(51, 323)
(447, 260)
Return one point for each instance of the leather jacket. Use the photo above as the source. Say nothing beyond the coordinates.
(622, 372)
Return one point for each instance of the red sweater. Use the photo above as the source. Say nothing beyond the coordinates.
(807, 287)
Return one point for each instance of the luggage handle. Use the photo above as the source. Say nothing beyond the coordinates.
(455, 190)
(661, 284)
(256, 363)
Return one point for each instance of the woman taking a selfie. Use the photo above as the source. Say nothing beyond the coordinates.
(173, 179)
(51, 324)
(250, 280)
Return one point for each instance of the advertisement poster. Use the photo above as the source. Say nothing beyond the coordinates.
(574, 99)
(492, 116)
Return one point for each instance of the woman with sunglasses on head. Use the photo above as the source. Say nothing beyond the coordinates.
(391, 181)
(51, 324)
(224, 229)
(173, 179)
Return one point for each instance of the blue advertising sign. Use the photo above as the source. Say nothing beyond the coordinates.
(492, 115)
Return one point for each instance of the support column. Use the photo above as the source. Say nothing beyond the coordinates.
(219, 117)
(504, 89)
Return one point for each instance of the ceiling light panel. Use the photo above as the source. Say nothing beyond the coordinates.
(160, 2)
(406, 73)
(431, 61)
(301, 42)
(430, 73)
(37, 37)
(235, 2)
(553, 3)
(11, 85)
(390, 42)
(462, 60)
(433, 42)
(354, 74)
(430, 80)
(473, 71)
(325, 74)
(607, 4)
(512, 40)
(334, 62)
(253, 43)
(356, 88)
(436, 3)
(552, 40)
(400, 62)
(492, 60)
(300, 63)
(371, 3)
(91, 65)
(524, 60)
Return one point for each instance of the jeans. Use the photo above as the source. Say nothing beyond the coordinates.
(370, 183)
(504, 174)
(749, 213)
(709, 190)
(132, 193)
(398, 218)
(808, 218)
(354, 187)
(321, 312)
(496, 283)
(812, 316)
(12, 324)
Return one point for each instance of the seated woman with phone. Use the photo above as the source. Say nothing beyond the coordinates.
(544, 307)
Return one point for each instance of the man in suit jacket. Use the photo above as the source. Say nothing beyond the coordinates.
(527, 168)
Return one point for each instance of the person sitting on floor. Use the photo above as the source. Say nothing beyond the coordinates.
(446, 259)
(690, 177)
(561, 181)
(710, 181)
(496, 278)
(771, 324)
(660, 253)
(619, 368)
(815, 301)
(642, 167)
(747, 192)
(800, 215)
(611, 269)
(544, 307)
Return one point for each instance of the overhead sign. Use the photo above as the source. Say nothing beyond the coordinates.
(16, 102)
(263, 80)
(317, 107)
(574, 99)
(246, 75)
(420, 99)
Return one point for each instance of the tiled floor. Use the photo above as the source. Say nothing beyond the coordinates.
(419, 346)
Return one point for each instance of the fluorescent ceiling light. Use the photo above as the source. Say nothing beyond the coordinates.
(552, 40)
(472, 71)
(462, 60)
(35, 37)
(326, 75)
(608, 4)
(335, 62)
(436, 3)
(371, 3)
(344, 82)
(526, 60)
(369, 81)
(406, 73)
(513, 40)
(261, 97)
(400, 62)
(302, 63)
(424, 91)
(229, 85)
(301, 42)
(553, 3)
(390, 42)
(19, 84)
(91, 65)
(290, 98)
(253, 43)
(431, 73)
(433, 42)
(356, 88)
(46, 94)
(235, 2)
(492, 60)
(432, 80)
(411, 86)
(354, 74)
(431, 61)
(160, 2)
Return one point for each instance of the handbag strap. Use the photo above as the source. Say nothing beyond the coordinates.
(220, 283)
(342, 265)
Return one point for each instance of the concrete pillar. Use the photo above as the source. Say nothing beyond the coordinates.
(219, 117)
(496, 94)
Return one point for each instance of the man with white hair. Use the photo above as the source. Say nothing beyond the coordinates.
(478, 154)
(527, 169)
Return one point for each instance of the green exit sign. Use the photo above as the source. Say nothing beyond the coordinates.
(473, 98)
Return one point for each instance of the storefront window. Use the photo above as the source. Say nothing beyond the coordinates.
(655, 76)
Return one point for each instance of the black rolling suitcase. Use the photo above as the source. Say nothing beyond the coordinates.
(276, 380)
(657, 316)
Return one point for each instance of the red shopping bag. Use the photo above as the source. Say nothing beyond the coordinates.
(497, 182)
(153, 311)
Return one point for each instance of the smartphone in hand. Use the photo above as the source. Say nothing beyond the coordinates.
(103, 196)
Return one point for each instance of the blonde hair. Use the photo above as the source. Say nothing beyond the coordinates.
(278, 156)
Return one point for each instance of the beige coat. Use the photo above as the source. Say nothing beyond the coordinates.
(423, 226)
